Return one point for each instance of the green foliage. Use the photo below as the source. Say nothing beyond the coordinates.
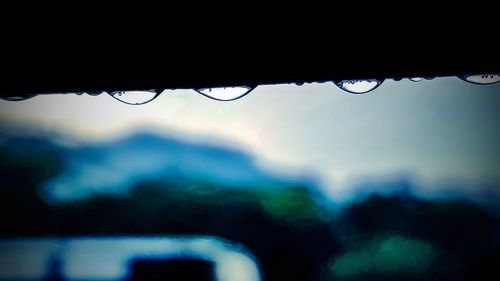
(25, 164)
(395, 255)
(29, 162)
(289, 204)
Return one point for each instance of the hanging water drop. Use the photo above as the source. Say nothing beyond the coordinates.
(135, 97)
(94, 93)
(18, 98)
(416, 79)
(483, 79)
(225, 93)
(359, 86)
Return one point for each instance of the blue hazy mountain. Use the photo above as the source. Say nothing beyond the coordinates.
(114, 167)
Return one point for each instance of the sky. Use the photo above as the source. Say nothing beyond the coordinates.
(435, 130)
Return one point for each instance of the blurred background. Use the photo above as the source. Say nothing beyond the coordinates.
(286, 183)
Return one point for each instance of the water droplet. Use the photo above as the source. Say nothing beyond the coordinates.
(135, 97)
(416, 79)
(359, 86)
(18, 98)
(225, 93)
(483, 79)
(94, 93)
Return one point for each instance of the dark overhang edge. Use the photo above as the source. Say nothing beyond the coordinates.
(37, 80)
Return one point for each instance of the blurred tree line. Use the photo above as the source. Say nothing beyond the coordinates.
(292, 237)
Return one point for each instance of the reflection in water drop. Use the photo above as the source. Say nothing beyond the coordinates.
(359, 86)
(416, 79)
(225, 93)
(18, 98)
(135, 97)
(483, 79)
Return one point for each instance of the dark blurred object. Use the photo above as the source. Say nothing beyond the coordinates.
(54, 270)
(172, 270)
